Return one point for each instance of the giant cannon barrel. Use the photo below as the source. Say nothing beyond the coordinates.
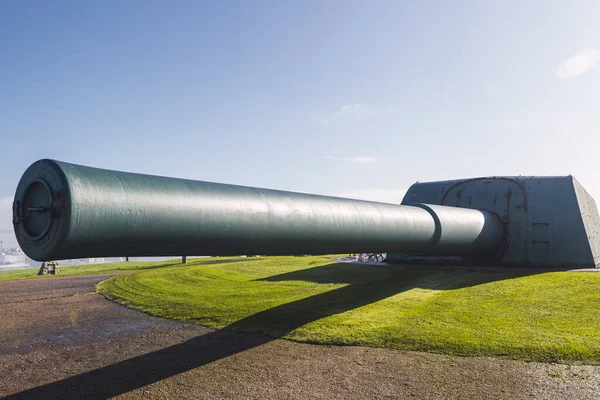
(65, 211)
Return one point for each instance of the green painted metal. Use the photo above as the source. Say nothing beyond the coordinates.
(550, 221)
(65, 211)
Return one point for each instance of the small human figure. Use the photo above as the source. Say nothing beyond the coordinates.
(48, 267)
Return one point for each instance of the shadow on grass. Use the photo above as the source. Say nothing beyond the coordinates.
(194, 263)
(191, 263)
(146, 267)
(366, 284)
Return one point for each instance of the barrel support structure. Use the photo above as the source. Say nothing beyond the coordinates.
(549, 221)
(66, 211)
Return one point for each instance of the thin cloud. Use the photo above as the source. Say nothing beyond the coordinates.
(355, 159)
(349, 109)
(343, 112)
(579, 63)
(392, 196)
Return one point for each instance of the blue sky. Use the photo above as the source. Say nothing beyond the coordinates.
(352, 98)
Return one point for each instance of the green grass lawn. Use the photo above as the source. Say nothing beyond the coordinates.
(552, 316)
(97, 269)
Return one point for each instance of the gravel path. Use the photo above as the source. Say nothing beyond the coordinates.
(59, 340)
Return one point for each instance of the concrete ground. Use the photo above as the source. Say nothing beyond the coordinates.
(60, 340)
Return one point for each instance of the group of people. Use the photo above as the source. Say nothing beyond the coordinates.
(370, 257)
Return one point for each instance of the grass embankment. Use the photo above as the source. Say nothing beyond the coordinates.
(543, 316)
(98, 269)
